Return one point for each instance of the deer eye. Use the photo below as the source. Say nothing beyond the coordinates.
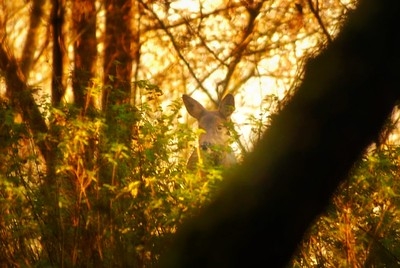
(220, 127)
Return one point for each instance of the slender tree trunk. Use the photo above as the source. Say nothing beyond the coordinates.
(121, 52)
(57, 80)
(117, 52)
(80, 242)
(85, 51)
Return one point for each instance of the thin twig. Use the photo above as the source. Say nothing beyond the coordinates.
(315, 11)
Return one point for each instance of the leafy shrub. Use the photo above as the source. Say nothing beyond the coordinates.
(121, 187)
(361, 226)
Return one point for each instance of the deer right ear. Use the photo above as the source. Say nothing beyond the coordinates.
(227, 106)
(193, 107)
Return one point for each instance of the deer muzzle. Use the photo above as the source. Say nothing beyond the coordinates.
(205, 145)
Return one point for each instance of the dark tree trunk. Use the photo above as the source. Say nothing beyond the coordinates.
(118, 55)
(117, 71)
(22, 100)
(57, 23)
(347, 94)
(85, 51)
(21, 97)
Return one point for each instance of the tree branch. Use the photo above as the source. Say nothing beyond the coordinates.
(237, 53)
(319, 20)
(177, 49)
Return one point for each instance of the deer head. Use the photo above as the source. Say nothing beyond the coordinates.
(214, 140)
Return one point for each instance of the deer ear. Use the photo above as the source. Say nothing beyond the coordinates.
(227, 105)
(193, 107)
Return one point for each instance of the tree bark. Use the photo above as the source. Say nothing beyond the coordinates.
(117, 52)
(57, 80)
(20, 96)
(85, 51)
(268, 203)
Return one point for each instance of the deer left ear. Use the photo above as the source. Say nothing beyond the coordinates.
(227, 105)
(193, 107)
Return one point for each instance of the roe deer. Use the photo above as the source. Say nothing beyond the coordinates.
(214, 140)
